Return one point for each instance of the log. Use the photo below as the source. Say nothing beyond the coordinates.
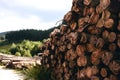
(90, 47)
(91, 71)
(68, 17)
(95, 78)
(72, 64)
(55, 32)
(81, 28)
(87, 2)
(53, 63)
(118, 41)
(47, 65)
(118, 27)
(83, 38)
(102, 6)
(112, 47)
(69, 46)
(104, 20)
(100, 43)
(88, 11)
(88, 72)
(95, 57)
(95, 70)
(65, 70)
(108, 23)
(106, 57)
(70, 55)
(93, 40)
(51, 57)
(100, 23)
(73, 37)
(94, 30)
(81, 22)
(62, 48)
(112, 37)
(76, 8)
(86, 19)
(73, 25)
(106, 14)
(58, 43)
(113, 77)
(64, 64)
(81, 74)
(106, 78)
(66, 76)
(97, 53)
(103, 72)
(115, 67)
(63, 29)
(59, 77)
(104, 3)
(95, 61)
(80, 50)
(56, 51)
(105, 34)
(82, 61)
(46, 52)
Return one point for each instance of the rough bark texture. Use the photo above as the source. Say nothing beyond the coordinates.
(87, 45)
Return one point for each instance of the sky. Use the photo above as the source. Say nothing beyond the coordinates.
(32, 14)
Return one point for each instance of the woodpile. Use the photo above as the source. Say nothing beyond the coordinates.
(87, 45)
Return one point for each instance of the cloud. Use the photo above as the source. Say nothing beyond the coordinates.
(16, 23)
(52, 5)
(31, 14)
(56, 5)
(2, 14)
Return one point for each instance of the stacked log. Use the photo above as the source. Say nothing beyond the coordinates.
(87, 45)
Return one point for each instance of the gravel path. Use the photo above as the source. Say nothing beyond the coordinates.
(8, 74)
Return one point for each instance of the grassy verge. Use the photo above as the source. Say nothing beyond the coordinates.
(38, 73)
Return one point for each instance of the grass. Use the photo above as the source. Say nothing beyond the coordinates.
(4, 46)
(38, 73)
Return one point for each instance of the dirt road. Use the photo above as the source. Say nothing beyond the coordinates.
(9, 74)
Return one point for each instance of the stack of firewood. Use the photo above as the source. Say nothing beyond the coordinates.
(87, 45)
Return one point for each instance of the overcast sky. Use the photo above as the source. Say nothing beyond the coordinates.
(31, 14)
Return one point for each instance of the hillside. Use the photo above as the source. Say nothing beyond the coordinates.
(28, 34)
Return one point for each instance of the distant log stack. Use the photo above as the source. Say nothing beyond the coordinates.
(87, 45)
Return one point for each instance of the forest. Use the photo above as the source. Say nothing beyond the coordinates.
(29, 34)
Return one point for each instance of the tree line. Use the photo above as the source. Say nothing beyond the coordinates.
(29, 34)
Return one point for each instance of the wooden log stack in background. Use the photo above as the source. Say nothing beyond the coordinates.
(87, 45)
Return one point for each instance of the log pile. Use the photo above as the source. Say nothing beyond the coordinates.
(87, 45)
